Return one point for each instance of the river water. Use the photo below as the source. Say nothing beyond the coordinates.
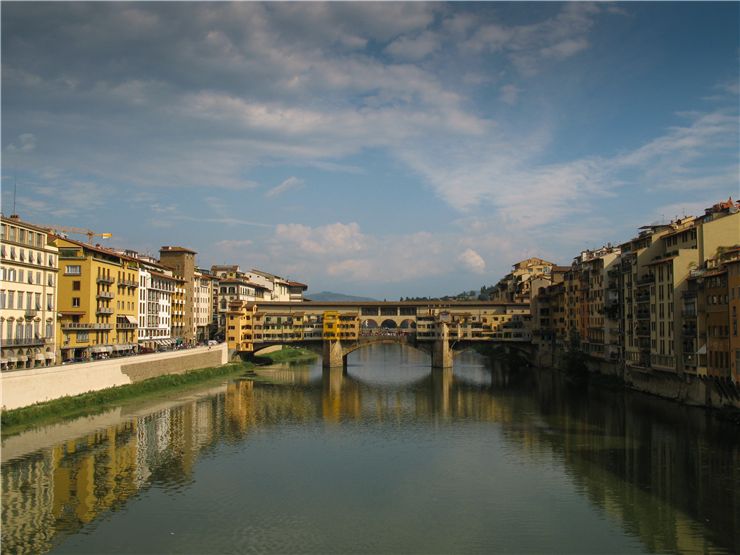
(388, 458)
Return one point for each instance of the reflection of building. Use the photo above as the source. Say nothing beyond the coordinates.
(28, 279)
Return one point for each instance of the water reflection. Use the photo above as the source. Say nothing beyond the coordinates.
(667, 475)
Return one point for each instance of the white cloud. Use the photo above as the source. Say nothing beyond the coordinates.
(290, 183)
(472, 261)
(26, 142)
(509, 94)
(413, 48)
(335, 239)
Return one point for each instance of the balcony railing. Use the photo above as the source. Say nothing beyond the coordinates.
(104, 310)
(128, 283)
(105, 279)
(647, 279)
(26, 341)
(31, 313)
(689, 332)
(85, 326)
(125, 325)
(105, 295)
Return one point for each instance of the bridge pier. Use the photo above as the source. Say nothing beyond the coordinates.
(441, 351)
(333, 356)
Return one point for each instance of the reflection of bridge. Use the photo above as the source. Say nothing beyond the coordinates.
(335, 329)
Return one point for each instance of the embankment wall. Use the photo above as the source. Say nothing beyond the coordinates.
(701, 391)
(26, 387)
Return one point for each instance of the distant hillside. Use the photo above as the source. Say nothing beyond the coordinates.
(330, 296)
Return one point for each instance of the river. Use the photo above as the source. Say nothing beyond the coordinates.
(387, 458)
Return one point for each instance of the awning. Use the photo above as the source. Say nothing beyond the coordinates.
(39, 356)
(3, 361)
(131, 319)
(96, 349)
(50, 355)
(12, 359)
(23, 358)
(702, 350)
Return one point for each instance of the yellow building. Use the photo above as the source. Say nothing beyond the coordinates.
(98, 301)
(28, 279)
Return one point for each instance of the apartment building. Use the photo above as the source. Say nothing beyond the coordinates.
(598, 322)
(202, 305)
(182, 262)
(177, 329)
(97, 301)
(526, 277)
(28, 300)
(733, 284)
(156, 288)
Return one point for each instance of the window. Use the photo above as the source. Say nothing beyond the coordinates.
(76, 301)
(2, 298)
(76, 285)
(73, 270)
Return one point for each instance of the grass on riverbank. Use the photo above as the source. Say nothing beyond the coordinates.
(86, 404)
(289, 355)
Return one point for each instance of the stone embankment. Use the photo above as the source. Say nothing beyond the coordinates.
(27, 387)
(698, 391)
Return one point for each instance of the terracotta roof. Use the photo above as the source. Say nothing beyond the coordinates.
(167, 248)
(97, 248)
(297, 284)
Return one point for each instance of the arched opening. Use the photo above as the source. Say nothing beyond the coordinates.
(407, 325)
(388, 324)
(369, 324)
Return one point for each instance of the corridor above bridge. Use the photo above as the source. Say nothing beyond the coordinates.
(250, 325)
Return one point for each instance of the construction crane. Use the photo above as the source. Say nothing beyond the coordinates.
(78, 230)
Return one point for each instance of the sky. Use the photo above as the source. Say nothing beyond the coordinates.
(377, 149)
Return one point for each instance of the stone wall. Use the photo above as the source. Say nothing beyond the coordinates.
(701, 391)
(22, 388)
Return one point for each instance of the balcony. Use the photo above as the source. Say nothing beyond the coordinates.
(689, 332)
(125, 326)
(642, 331)
(105, 295)
(85, 326)
(26, 342)
(128, 283)
(105, 279)
(689, 294)
(643, 297)
(104, 310)
(31, 313)
(643, 315)
(647, 279)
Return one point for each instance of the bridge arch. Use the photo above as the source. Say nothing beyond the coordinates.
(388, 324)
(370, 324)
(407, 324)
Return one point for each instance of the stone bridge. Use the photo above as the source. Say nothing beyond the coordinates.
(334, 353)
(335, 329)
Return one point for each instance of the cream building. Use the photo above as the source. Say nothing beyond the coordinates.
(28, 282)
(202, 305)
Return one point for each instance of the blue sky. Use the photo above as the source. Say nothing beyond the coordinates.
(382, 149)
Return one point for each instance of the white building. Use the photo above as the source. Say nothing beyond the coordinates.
(28, 281)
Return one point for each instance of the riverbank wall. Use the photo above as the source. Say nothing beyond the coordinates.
(23, 388)
(699, 391)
